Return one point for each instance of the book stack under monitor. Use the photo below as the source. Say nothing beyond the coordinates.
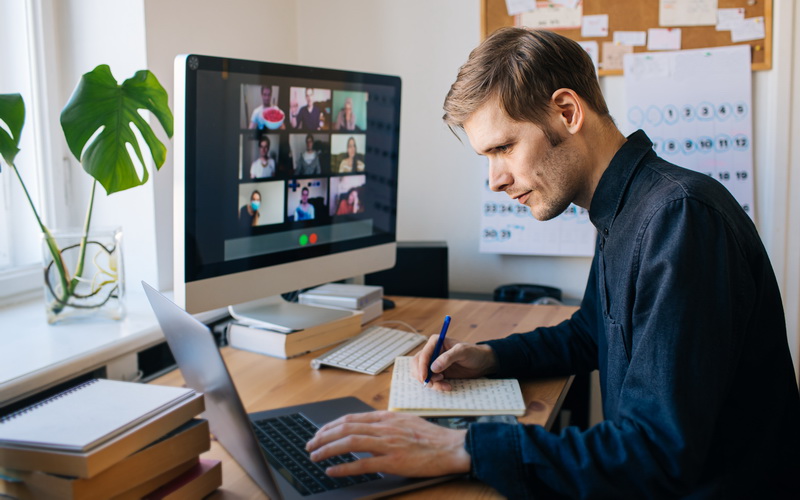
(365, 298)
(108, 439)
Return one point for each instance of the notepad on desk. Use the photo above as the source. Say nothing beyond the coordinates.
(469, 396)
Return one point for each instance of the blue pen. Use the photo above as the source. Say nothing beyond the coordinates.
(437, 349)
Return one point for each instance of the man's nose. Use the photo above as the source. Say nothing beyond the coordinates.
(499, 177)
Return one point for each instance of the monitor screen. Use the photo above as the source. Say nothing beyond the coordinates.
(285, 178)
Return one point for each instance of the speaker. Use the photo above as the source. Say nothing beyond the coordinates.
(420, 271)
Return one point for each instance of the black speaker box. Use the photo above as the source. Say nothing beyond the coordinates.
(420, 271)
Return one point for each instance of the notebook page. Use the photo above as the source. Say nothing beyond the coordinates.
(87, 415)
(469, 396)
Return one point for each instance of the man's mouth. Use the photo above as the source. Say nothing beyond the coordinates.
(522, 198)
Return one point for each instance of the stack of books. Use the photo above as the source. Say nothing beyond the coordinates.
(108, 439)
(365, 298)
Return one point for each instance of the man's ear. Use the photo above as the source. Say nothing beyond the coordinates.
(570, 109)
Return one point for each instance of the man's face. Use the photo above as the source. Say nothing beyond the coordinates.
(263, 148)
(524, 164)
(266, 96)
(310, 97)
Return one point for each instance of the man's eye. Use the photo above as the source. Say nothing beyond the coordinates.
(503, 149)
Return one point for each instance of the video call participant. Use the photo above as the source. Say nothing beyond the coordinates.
(305, 210)
(310, 116)
(249, 214)
(257, 120)
(349, 204)
(346, 119)
(347, 164)
(682, 314)
(263, 166)
(307, 162)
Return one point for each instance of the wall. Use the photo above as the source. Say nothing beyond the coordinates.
(425, 42)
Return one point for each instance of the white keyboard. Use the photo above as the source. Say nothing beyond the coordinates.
(371, 351)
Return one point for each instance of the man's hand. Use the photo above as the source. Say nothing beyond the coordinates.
(457, 360)
(400, 444)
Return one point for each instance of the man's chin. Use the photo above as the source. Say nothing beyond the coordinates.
(545, 213)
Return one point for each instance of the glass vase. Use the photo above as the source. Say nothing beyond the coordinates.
(84, 280)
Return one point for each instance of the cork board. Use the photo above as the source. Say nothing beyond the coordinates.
(640, 15)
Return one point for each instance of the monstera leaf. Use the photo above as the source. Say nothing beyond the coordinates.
(12, 112)
(97, 123)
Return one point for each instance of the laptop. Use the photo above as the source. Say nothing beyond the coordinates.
(268, 444)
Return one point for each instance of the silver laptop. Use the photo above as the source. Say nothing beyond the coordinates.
(261, 442)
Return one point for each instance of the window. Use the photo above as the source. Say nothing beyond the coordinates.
(20, 248)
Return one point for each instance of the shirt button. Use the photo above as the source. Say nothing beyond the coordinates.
(605, 231)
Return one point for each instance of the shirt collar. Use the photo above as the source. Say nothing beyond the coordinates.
(614, 181)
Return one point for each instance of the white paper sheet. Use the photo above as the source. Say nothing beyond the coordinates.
(728, 18)
(515, 7)
(553, 15)
(632, 38)
(687, 12)
(749, 29)
(664, 39)
(696, 107)
(596, 25)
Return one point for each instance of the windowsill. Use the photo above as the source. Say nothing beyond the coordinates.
(36, 355)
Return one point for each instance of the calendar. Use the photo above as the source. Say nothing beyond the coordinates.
(695, 105)
(507, 227)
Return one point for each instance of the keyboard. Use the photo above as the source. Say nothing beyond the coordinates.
(371, 351)
(284, 439)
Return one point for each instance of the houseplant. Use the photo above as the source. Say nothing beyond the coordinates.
(97, 124)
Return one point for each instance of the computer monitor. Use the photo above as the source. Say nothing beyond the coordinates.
(285, 178)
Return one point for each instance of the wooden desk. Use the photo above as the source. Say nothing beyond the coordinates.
(264, 383)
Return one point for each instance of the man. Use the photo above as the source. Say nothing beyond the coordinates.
(263, 166)
(308, 118)
(257, 119)
(681, 315)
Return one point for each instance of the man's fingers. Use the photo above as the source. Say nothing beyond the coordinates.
(369, 465)
(364, 418)
(346, 444)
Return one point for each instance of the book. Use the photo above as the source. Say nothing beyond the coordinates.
(342, 295)
(179, 446)
(92, 462)
(143, 489)
(87, 415)
(287, 345)
(480, 396)
(197, 482)
(372, 311)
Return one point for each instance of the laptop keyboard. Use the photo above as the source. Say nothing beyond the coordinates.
(284, 439)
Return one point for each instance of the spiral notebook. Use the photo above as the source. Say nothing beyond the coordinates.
(87, 415)
(480, 396)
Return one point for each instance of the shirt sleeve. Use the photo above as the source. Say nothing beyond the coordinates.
(661, 415)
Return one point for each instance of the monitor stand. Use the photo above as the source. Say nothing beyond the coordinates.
(275, 313)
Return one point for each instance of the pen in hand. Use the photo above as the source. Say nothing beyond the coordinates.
(437, 349)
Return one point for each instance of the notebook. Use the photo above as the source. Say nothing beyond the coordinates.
(480, 396)
(87, 415)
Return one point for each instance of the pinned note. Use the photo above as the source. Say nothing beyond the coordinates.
(664, 39)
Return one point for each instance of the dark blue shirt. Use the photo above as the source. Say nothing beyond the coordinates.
(682, 317)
